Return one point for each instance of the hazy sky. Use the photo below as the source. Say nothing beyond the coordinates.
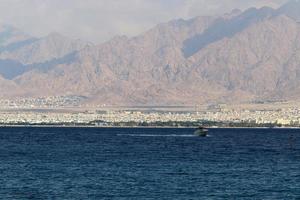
(99, 20)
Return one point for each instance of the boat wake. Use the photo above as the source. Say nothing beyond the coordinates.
(154, 135)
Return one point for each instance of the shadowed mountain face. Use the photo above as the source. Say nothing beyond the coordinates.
(223, 28)
(238, 57)
(41, 50)
(291, 9)
(16, 45)
(22, 53)
(10, 69)
(10, 36)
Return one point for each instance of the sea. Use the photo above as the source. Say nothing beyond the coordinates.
(146, 163)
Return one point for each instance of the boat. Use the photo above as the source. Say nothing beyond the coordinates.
(201, 132)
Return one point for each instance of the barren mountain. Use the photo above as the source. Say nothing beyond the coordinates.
(45, 49)
(259, 60)
(9, 89)
(11, 38)
(237, 57)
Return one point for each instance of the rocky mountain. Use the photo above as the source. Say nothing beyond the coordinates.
(238, 57)
(44, 49)
(9, 89)
(20, 53)
(291, 9)
(11, 38)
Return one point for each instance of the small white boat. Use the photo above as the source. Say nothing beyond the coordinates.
(201, 132)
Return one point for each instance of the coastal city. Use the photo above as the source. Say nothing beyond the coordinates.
(59, 111)
(150, 99)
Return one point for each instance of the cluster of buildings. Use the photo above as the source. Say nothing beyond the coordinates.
(288, 116)
(42, 102)
(96, 118)
(70, 110)
(284, 116)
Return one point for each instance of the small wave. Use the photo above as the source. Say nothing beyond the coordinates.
(154, 135)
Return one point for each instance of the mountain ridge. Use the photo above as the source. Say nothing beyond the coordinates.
(237, 57)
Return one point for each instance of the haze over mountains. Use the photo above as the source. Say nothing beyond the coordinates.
(246, 56)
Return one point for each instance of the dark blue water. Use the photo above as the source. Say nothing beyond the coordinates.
(87, 163)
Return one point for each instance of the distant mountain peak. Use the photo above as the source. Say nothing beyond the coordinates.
(55, 35)
(290, 9)
(226, 28)
(11, 36)
(292, 4)
(233, 13)
(7, 27)
(11, 29)
(236, 57)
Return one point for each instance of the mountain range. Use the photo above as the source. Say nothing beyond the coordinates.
(242, 56)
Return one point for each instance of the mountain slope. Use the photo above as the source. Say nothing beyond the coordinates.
(11, 38)
(290, 9)
(224, 27)
(111, 65)
(254, 61)
(9, 89)
(45, 49)
(238, 57)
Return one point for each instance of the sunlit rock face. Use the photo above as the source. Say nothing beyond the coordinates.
(237, 57)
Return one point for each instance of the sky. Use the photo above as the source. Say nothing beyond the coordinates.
(99, 20)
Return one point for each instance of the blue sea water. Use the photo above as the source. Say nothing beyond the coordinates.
(91, 163)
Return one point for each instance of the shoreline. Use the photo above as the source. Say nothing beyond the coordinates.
(135, 127)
